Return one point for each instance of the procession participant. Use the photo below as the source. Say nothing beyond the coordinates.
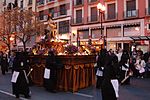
(4, 63)
(28, 69)
(110, 84)
(124, 65)
(100, 65)
(20, 81)
(50, 74)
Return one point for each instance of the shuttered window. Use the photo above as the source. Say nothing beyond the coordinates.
(111, 11)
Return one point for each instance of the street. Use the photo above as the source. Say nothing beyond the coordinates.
(138, 90)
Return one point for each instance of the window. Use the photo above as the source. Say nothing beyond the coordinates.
(93, 13)
(30, 2)
(51, 11)
(63, 9)
(49, 0)
(96, 33)
(148, 11)
(79, 2)
(111, 11)
(41, 2)
(131, 31)
(4, 3)
(113, 32)
(41, 15)
(131, 8)
(148, 26)
(21, 4)
(64, 27)
(79, 16)
(84, 34)
(93, 0)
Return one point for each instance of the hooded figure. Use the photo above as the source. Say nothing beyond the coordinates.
(100, 63)
(21, 85)
(111, 73)
(124, 66)
(51, 81)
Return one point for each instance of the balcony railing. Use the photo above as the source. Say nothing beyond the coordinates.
(93, 18)
(43, 18)
(147, 11)
(111, 17)
(40, 2)
(79, 20)
(78, 2)
(50, 1)
(130, 14)
(61, 13)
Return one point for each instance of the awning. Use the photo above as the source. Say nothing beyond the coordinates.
(139, 38)
(83, 29)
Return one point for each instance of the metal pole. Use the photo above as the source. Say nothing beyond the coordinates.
(101, 26)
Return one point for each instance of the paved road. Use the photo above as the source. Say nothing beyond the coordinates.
(138, 90)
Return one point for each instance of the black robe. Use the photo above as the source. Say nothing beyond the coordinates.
(111, 71)
(4, 65)
(51, 83)
(21, 86)
(100, 63)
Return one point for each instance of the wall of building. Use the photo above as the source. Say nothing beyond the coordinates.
(133, 26)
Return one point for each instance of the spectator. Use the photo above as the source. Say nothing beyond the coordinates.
(147, 68)
(139, 65)
(146, 56)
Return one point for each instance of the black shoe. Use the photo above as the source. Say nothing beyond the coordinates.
(17, 95)
(98, 87)
(27, 96)
(53, 91)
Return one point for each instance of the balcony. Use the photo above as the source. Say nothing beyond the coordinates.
(50, 1)
(147, 11)
(131, 14)
(40, 3)
(76, 21)
(61, 13)
(111, 17)
(93, 19)
(43, 18)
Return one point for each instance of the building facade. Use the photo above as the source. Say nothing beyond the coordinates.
(22, 5)
(81, 20)
(122, 19)
(61, 13)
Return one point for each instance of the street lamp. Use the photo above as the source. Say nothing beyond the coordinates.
(101, 8)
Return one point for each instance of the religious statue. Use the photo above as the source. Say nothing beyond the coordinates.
(52, 27)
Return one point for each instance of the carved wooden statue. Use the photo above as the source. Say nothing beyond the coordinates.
(52, 27)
